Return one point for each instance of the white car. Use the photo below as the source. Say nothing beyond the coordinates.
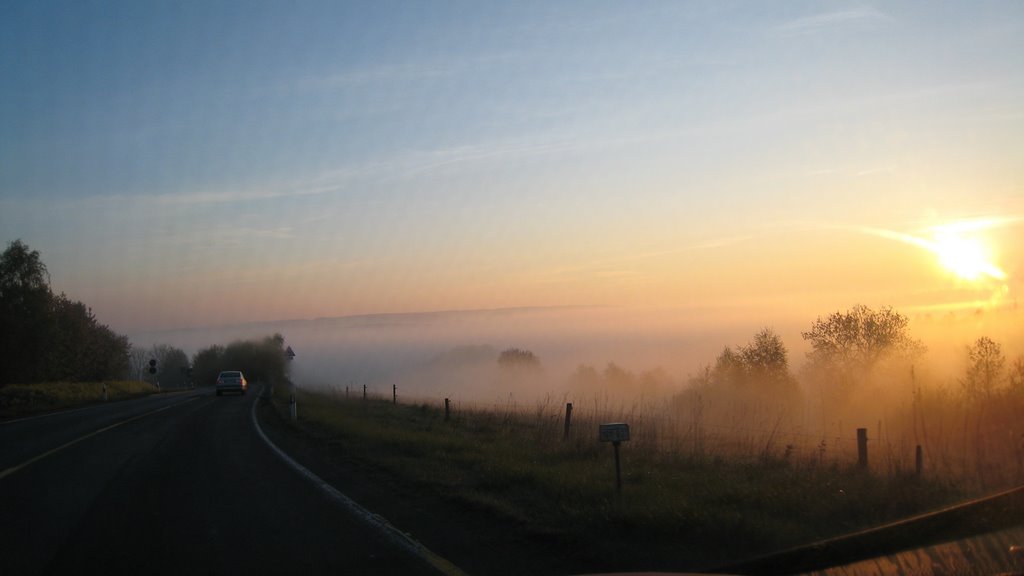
(231, 381)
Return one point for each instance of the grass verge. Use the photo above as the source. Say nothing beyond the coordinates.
(676, 511)
(26, 399)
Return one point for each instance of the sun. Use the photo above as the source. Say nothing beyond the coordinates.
(960, 247)
(966, 256)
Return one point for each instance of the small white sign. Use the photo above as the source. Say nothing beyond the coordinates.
(617, 432)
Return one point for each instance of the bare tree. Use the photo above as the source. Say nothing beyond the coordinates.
(138, 363)
(985, 368)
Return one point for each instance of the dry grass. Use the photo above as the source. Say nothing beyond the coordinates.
(694, 493)
(24, 399)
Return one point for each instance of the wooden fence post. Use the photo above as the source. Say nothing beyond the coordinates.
(568, 419)
(394, 394)
(447, 409)
(862, 447)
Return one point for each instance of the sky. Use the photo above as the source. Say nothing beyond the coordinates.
(186, 164)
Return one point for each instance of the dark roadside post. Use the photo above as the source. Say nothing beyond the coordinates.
(290, 355)
(616, 433)
(862, 448)
(394, 394)
(568, 420)
(447, 409)
(291, 402)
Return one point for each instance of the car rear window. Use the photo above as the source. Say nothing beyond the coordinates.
(231, 374)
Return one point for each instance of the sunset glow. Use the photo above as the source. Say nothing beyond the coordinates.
(675, 155)
(960, 247)
(966, 257)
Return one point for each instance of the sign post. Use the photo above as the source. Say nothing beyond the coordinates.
(616, 433)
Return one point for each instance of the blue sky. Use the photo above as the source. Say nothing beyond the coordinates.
(186, 163)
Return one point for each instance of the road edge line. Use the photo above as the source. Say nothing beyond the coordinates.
(385, 528)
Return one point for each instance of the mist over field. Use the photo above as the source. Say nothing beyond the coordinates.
(454, 353)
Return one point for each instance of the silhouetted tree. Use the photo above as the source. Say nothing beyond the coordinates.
(260, 360)
(138, 363)
(517, 359)
(25, 318)
(847, 346)
(1016, 376)
(207, 364)
(80, 348)
(728, 368)
(763, 362)
(985, 368)
(169, 362)
(765, 359)
(47, 337)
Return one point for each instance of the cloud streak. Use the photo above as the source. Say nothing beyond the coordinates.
(830, 21)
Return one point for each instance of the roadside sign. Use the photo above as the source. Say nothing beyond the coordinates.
(616, 432)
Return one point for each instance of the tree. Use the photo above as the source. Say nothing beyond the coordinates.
(207, 364)
(169, 362)
(584, 379)
(985, 368)
(138, 363)
(260, 360)
(847, 346)
(80, 348)
(48, 337)
(25, 314)
(763, 362)
(1016, 376)
(21, 271)
(517, 359)
(765, 359)
(728, 368)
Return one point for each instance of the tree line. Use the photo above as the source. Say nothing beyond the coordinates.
(48, 337)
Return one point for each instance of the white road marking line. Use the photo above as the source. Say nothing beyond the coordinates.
(393, 535)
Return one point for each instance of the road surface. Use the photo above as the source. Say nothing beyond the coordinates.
(175, 483)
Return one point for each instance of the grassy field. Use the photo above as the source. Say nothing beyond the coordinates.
(677, 507)
(25, 399)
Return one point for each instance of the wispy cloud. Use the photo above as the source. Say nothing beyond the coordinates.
(397, 72)
(830, 21)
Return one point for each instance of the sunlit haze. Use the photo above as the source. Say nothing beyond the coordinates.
(739, 165)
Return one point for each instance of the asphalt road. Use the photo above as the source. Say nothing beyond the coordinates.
(176, 483)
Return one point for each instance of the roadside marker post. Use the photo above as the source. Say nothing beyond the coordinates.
(293, 405)
(616, 433)
(862, 448)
